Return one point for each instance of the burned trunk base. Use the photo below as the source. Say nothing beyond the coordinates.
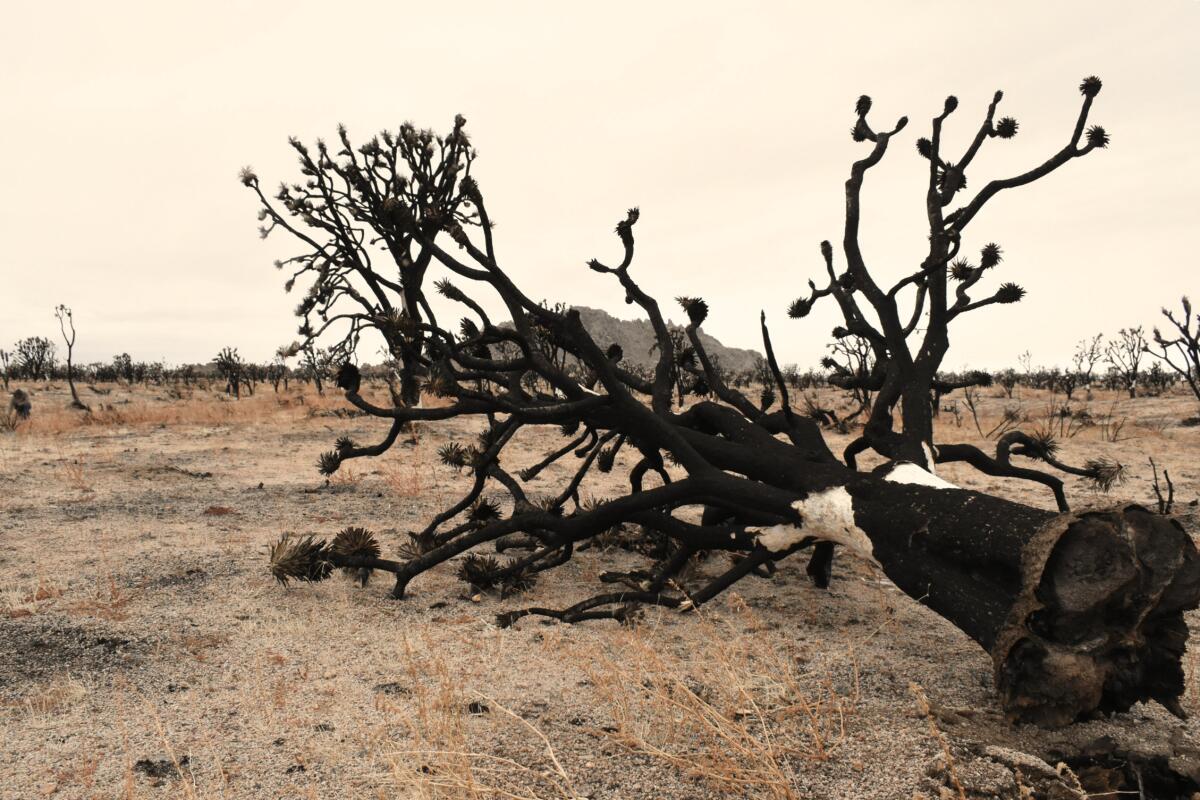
(1099, 624)
(1082, 613)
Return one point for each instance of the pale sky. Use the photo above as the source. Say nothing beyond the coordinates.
(124, 126)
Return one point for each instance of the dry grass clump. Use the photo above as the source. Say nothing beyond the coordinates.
(744, 713)
(17, 601)
(108, 601)
(60, 693)
(441, 760)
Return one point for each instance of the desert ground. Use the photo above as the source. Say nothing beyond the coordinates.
(146, 651)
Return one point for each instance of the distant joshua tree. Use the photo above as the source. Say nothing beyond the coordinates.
(123, 368)
(1179, 349)
(1088, 354)
(5, 366)
(35, 358)
(232, 370)
(316, 365)
(1081, 613)
(66, 324)
(1124, 356)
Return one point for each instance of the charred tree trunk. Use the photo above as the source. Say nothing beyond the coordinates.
(1080, 612)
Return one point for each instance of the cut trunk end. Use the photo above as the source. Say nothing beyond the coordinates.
(1098, 624)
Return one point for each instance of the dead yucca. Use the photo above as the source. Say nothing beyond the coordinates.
(484, 510)
(416, 546)
(301, 558)
(479, 571)
(1105, 473)
(355, 542)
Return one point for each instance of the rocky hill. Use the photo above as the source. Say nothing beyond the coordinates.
(636, 338)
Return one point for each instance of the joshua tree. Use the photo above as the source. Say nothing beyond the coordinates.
(1124, 356)
(850, 365)
(66, 324)
(123, 367)
(278, 372)
(314, 365)
(35, 358)
(5, 366)
(232, 370)
(1073, 615)
(904, 377)
(1088, 354)
(1180, 348)
(389, 199)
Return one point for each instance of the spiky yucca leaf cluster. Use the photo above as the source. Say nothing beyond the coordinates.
(1009, 293)
(625, 227)
(696, 308)
(606, 459)
(486, 573)
(961, 269)
(303, 558)
(328, 463)
(349, 378)
(550, 506)
(1006, 128)
(487, 437)
(990, 255)
(1090, 87)
(1105, 473)
(1097, 136)
(355, 542)
(484, 510)
(799, 308)
(951, 179)
(344, 443)
(1043, 445)
(448, 290)
(767, 398)
(614, 353)
(414, 547)
(453, 454)
(925, 147)
(518, 581)
(479, 571)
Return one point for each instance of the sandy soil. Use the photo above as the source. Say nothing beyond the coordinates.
(145, 651)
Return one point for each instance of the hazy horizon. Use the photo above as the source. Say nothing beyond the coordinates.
(126, 125)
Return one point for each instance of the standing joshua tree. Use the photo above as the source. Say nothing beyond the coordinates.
(388, 199)
(66, 324)
(904, 375)
(1180, 349)
(1080, 612)
(1124, 356)
(232, 369)
(35, 358)
(1088, 354)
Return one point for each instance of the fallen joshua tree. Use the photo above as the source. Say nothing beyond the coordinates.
(1081, 612)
